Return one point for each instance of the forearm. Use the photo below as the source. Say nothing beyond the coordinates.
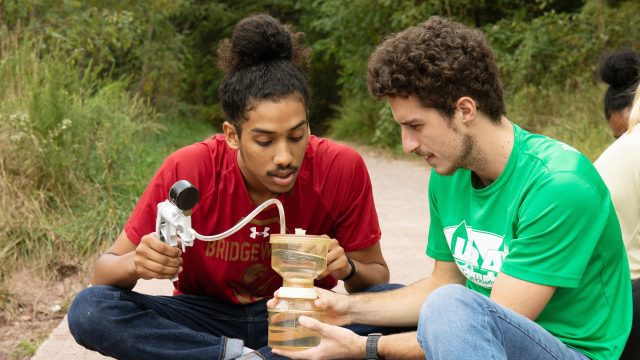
(366, 276)
(115, 270)
(400, 346)
(399, 307)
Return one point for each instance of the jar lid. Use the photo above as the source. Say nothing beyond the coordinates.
(297, 293)
(298, 239)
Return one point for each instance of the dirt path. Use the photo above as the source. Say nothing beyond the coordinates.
(400, 193)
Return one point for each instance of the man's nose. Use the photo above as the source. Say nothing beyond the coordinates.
(409, 142)
(283, 155)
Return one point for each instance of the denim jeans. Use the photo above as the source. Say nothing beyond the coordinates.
(458, 323)
(632, 349)
(129, 325)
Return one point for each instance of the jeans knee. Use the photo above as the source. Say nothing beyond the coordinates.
(440, 310)
(444, 297)
(83, 315)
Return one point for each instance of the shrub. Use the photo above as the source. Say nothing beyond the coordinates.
(67, 145)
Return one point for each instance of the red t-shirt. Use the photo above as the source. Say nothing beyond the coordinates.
(332, 195)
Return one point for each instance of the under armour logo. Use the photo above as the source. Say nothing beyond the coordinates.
(255, 233)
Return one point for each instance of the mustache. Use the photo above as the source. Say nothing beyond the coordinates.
(420, 153)
(282, 169)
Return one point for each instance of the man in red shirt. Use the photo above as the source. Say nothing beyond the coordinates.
(266, 152)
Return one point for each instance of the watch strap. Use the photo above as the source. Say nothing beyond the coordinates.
(371, 349)
(353, 269)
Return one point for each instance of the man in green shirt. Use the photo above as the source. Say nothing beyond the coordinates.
(530, 262)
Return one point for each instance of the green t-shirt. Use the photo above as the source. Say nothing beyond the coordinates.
(547, 219)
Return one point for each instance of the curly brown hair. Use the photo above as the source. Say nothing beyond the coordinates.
(438, 62)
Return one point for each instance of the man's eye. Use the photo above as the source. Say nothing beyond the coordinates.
(263, 143)
(296, 138)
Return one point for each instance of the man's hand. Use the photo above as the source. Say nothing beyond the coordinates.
(337, 264)
(336, 307)
(155, 259)
(336, 343)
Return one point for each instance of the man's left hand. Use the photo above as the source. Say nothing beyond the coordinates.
(336, 343)
(337, 264)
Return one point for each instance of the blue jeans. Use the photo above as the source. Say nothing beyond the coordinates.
(632, 349)
(129, 325)
(458, 323)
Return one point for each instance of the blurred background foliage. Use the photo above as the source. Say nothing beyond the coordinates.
(95, 93)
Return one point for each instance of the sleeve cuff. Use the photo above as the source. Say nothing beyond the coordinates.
(539, 277)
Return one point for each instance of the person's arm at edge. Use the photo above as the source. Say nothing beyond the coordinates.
(116, 266)
(405, 345)
(124, 262)
(524, 297)
(371, 269)
(401, 307)
(400, 346)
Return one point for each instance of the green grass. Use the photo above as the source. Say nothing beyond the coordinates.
(75, 154)
(176, 134)
(574, 117)
(28, 347)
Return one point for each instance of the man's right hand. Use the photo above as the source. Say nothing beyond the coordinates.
(336, 306)
(155, 259)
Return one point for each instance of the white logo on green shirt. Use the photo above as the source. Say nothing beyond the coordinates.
(479, 255)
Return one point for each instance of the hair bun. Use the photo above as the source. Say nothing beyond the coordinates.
(256, 39)
(621, 69)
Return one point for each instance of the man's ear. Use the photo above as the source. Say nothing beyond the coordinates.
(468, 109)
(230, 133)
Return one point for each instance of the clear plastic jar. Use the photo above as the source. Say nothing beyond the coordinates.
(284, 330)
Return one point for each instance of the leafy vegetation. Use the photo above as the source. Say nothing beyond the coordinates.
(70, 153)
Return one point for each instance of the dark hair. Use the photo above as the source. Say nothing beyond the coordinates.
(438, 62)
(621, 70)
(260, 62)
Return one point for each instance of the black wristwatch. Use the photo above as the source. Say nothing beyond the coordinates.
(371, 350)
(353, 270)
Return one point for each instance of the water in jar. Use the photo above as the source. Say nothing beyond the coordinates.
(286, 333)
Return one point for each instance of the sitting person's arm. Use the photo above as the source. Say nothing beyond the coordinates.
(124, 262)
(367, 266)
(400, 307)
(524, 297)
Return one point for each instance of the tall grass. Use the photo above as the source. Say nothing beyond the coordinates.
(75, 152)
(575, 117)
